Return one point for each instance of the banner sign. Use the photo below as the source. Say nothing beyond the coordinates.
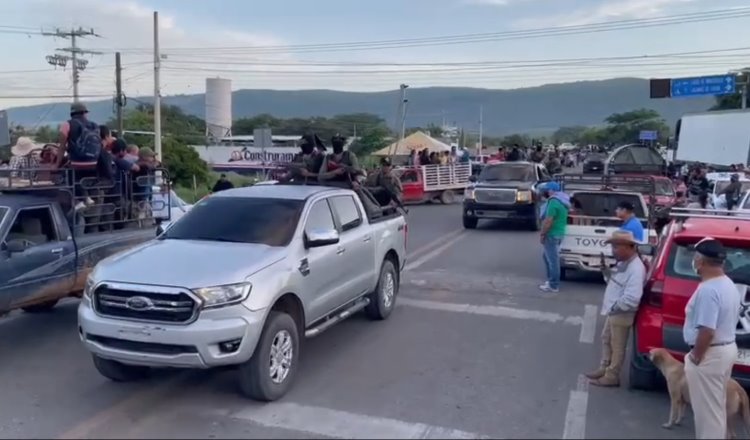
(244, 157)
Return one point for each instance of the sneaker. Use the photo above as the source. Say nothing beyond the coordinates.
(547, 288)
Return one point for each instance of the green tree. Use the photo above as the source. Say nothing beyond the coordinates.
(372, 139)
(625, 127)
(568, 134)
(46, 135)
(178, 131)
(730, 102)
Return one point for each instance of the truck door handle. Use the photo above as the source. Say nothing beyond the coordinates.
(600, 231)
(340, 251)
(367, 239)
(57, 251)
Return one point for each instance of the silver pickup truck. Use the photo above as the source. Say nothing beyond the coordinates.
(240, 280)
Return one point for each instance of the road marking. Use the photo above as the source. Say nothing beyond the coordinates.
(575, 417)
(490, 310)
(588, 328)
(340, 424)
(424, 249)
(435, 252)
(108, 416)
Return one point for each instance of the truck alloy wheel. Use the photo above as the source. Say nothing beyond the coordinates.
(270, 372)
(383, 299)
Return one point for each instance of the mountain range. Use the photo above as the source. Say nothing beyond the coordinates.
(528, 110)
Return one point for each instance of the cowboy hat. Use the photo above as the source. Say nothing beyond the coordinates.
(622, 237)
(24, 146)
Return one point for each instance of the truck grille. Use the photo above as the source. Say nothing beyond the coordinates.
(495, 196)
(144, 306)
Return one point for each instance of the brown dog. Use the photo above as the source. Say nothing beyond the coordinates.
(674, 372)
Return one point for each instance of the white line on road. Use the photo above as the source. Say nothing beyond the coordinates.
(434, 252)
(588, 328)
(490, 310)
(575, 417)
(434, 243)
(340, 424)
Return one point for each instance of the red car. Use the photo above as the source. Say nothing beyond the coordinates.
(671, 282)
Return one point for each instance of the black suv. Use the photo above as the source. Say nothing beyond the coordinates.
(594, 163)
(505, 191)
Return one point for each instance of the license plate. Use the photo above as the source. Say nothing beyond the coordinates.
(743, 357)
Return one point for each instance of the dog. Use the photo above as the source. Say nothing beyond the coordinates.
(673, 370)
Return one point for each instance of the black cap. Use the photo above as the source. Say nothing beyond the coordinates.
(711, 248)
(386, 162)
(626, 206)
(78, 108)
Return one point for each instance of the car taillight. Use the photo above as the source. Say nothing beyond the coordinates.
(654, 293)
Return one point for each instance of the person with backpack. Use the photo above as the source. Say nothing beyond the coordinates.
(80, 138)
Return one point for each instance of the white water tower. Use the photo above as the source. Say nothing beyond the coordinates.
(218, 108)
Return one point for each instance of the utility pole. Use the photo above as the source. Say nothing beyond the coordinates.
(157, 90)
(746, 78)
(481, 117)
(77, 64)
(401, 121)
(119, 99)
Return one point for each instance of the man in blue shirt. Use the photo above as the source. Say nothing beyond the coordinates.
(711, 319)
(631, 223)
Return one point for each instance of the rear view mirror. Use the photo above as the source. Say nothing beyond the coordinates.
(15, 246)
(321, 237)
(647, 250)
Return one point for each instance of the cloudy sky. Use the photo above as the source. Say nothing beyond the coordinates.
(364, 45)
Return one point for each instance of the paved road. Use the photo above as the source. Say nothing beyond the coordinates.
(473, 350)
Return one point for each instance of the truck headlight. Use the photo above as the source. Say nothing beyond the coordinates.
(523, 196)
(219, 296)
(88, 288)
(469, 193)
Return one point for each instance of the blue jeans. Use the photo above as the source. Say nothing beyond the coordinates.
(551, 257)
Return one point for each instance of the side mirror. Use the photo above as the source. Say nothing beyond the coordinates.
(15, 246)
(648, 250)
(473, 179)
(321, 237)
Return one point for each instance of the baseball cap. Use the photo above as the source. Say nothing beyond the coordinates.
(551, 186)
(386, 161)
(711, 248)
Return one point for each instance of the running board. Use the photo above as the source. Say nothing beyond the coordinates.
(338, 317)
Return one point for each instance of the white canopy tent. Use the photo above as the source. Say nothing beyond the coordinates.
(415, 141)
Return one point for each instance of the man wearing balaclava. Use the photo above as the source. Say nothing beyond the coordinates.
(304, 164)
(340, 166)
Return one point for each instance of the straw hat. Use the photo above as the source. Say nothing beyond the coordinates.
(622, 237)
(24, 146)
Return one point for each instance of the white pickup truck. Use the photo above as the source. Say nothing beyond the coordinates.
(591, 222)
(240, 280)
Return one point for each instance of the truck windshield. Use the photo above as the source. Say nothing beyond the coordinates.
(507, 171)
(239, 220)
(737, 266)
(663, 188)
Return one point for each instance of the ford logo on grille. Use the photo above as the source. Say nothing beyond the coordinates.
(139, 303)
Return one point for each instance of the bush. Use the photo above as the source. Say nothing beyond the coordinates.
(183, 163)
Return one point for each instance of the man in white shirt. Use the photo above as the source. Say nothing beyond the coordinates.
(621, 300)
(711, 319)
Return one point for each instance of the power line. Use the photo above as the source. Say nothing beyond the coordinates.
(696, 17)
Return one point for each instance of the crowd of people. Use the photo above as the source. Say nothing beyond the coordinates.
(711, 314)
(103, 168)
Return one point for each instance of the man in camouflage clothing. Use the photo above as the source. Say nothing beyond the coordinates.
(391, 189)
(306, 163)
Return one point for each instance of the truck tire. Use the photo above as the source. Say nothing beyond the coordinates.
(269, 374)
(383, 298)
(643, 375)
(447, 197)
(470, 222)
(119, 372)
(41, 307)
